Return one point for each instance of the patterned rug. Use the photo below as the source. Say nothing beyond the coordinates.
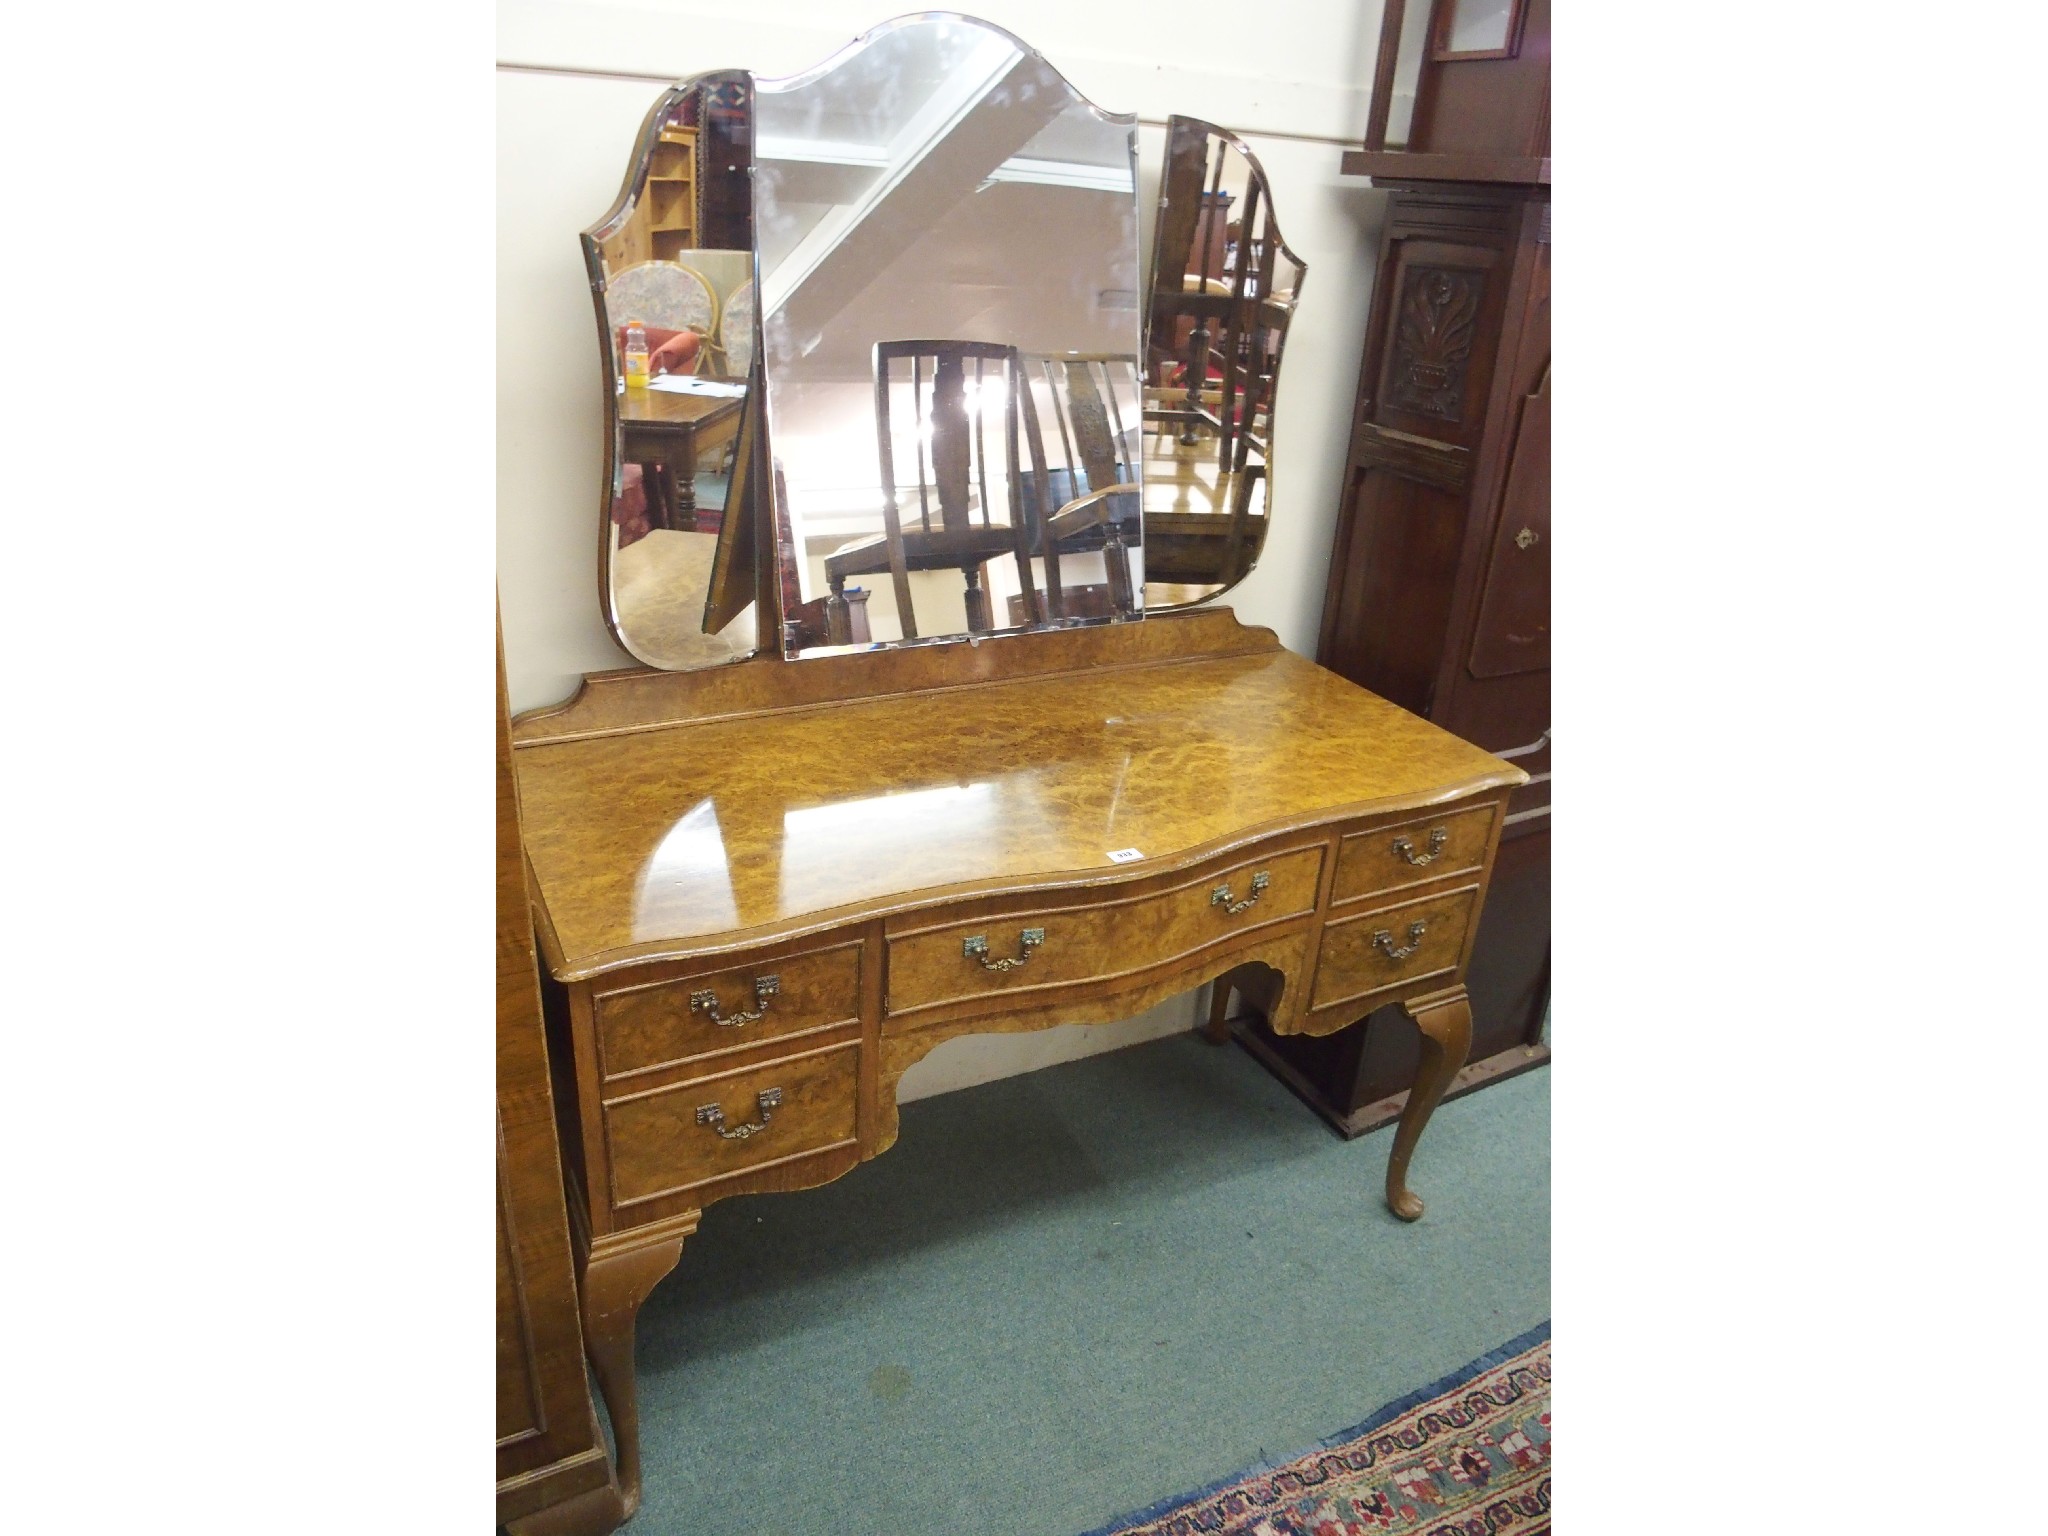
(1465, 1456)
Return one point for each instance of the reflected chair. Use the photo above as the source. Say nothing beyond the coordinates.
(664, 296)
(1233, 346)
(1218, 316)
(736, 331)
(1082, 492)
(955, 393)
(1221, 327)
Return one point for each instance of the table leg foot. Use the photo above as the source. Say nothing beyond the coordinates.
(980, 616)
(664, 497)
(1445, 1020)
(838, 617)
(1217, 1031)
(685, 473)
(1116, 560)
(615, 1283)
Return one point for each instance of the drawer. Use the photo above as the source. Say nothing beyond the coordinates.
(1020, 951)
(655, 1024)
(1410, 852)
(672, 1139)
(1392, 946)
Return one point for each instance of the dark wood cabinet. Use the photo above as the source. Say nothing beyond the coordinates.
(554, 1475)
(1439, 586)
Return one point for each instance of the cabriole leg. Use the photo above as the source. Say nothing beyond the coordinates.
(1445, 1019)
(616, 1281)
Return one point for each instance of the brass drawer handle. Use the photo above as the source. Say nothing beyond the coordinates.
(1384, 940)
(706, 1003)
(1438, 836)
(765, 1100)
(976, 948)
(1220, 897)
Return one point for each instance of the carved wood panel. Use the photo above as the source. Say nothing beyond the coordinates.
(1432, 361)
(1433, 335)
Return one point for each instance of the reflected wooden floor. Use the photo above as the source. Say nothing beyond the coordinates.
(659, 583)
(1195, 543)
(1184, 479)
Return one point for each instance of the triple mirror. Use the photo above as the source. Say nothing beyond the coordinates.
(877, 357)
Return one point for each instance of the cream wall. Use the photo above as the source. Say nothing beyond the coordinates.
(574, 80)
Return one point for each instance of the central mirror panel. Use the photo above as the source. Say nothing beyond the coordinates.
(947, 237)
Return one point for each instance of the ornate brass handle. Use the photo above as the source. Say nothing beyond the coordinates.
(1384, 940)
(1438, 836)
(706, 1003)
(1220, 897)
(765, 1101)
(976, 948)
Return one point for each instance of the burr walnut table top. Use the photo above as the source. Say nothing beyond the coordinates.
(717, 809)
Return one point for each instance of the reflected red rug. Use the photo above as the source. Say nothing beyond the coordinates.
(1465, 1456)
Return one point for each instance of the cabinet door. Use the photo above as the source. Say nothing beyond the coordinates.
(1513, 632)
(548, 1447)
(520, 1415)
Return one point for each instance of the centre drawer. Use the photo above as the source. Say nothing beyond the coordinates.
(1013, 949)
(675, 1138)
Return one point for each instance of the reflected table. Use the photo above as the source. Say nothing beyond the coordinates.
(668, 434)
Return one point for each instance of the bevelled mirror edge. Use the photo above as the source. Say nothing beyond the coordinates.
(673, 629)
(1206, 524)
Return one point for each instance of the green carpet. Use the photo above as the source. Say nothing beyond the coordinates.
(1065, 1295)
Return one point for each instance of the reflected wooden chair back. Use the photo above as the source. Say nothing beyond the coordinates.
(736, 330)
(1216, 329)
(1083, 424)
(943, 411)
(1219, 327)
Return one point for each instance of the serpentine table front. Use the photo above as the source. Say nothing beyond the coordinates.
(765, 890)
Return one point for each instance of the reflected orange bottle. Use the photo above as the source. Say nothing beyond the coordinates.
(636, 355)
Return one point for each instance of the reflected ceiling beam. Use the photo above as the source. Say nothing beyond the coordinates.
(941, 159)
(989, 61)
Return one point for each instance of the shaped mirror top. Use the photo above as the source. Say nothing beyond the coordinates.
(947, 235)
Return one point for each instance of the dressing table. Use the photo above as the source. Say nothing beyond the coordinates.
(764, 890)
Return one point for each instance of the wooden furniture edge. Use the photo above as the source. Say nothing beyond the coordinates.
(578, 1495)
(597, 1512)
(1399, 165)
(589, 967)
(638, 699)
